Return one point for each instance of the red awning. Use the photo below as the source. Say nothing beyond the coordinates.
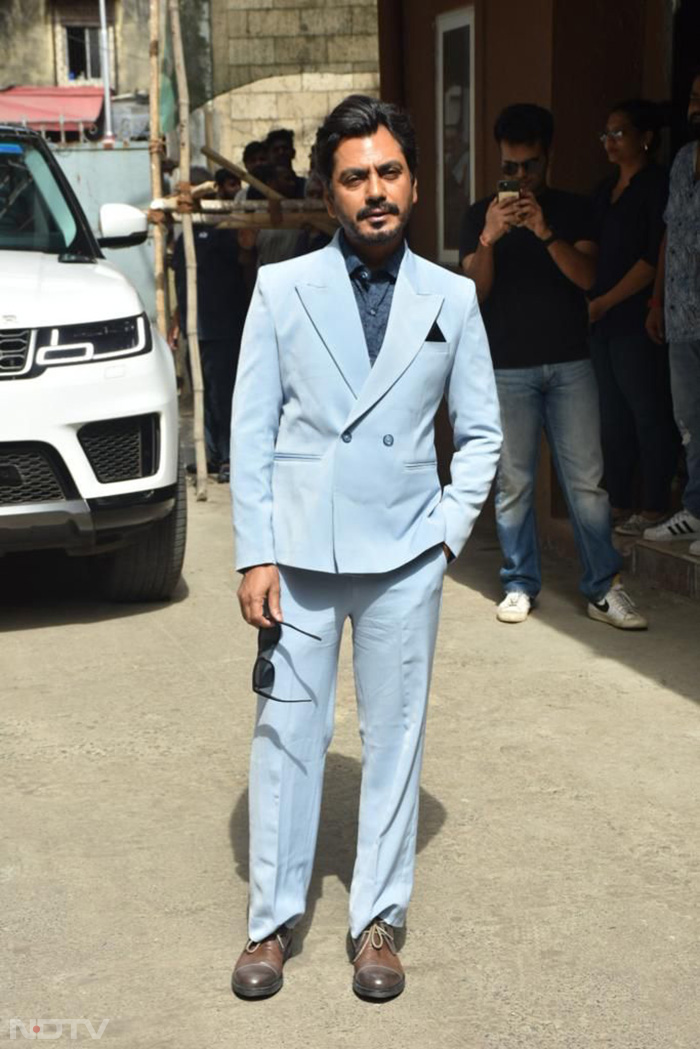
(42, 107)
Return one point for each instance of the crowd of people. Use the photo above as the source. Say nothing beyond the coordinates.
(227, 264)
(573, 296)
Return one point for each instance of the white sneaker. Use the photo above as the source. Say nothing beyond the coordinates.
(682, 525)
(618, 609)
(514, 608)
(694, 548)
(634, 525)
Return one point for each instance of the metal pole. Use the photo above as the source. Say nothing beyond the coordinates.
(108, 137)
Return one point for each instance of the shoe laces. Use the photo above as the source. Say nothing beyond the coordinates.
(514, 597)
(376, 936)
(620, 601)
(252, 945)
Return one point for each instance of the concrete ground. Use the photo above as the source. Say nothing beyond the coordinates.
(557, 901)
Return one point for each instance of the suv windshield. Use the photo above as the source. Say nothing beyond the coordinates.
(35, 214)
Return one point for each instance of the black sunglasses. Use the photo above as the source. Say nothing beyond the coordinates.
(512, 167)
(264, 669)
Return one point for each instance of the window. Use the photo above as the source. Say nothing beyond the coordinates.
(83, 52)
(454, 126)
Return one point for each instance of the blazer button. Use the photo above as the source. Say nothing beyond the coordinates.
(347, 437)
(388, 440)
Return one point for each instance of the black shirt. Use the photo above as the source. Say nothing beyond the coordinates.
(222, 297)
(629, 230)
(374, 293)
(534, 314)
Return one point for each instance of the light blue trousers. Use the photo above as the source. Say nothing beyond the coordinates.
(394, 620)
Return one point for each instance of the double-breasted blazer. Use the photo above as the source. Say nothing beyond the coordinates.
(333, 464)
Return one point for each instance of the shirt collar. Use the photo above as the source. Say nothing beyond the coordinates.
(354, 263)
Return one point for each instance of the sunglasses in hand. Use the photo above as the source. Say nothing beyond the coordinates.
(264, 669)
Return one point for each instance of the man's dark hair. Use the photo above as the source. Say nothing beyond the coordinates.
(222, 174)
(524, 124)
(280, 133)
(644, 116)
(358, 116)
(251, 148)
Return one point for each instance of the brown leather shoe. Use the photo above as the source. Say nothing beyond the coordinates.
(258, 971)
(378, 971)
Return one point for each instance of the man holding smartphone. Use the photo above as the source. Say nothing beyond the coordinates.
(532, 259)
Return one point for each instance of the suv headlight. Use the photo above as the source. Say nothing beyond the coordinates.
(101, 340)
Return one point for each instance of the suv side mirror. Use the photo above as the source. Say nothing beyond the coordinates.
(122, 226)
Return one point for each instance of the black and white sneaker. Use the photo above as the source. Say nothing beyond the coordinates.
(682, 525)
(618, 609)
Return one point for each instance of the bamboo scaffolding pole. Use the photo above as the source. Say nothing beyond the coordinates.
(251, 214)
(155, 147)
(190, 254)
(242, 174)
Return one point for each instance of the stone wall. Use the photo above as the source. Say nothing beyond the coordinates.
(286, 63)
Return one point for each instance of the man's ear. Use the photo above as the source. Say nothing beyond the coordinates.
(415, 190)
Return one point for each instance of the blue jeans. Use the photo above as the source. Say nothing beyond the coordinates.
(562, 399)
(684, 358)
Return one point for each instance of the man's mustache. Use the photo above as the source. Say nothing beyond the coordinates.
(382, 209)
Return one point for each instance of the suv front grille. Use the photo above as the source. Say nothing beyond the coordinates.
(31, 474)
(14, 347)
(122, 449)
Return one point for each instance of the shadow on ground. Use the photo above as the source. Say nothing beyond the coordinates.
(335, 849)
(48, 588)
(668, 653)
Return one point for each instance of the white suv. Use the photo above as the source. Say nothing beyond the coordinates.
(88, 396)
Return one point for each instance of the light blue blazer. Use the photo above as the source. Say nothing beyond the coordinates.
(333, 464)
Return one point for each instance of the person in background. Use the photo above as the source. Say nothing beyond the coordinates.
(254, 156)
(677, 286)
(276, 245)
(222, 303)
(633, 383)
(281, 153)
(532, 259)
(228, 185)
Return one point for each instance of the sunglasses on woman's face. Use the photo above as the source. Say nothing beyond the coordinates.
(614, 135)
(264, 669)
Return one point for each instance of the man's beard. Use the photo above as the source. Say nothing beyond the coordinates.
(694, 128)
(379, 236)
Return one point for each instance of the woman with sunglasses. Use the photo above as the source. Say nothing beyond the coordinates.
(635, 403)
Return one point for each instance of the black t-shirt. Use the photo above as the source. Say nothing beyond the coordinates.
(534, 314)
(222, 297)
(629, 230)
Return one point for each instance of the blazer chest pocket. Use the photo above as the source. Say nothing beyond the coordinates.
(283, 457)
(436, 349)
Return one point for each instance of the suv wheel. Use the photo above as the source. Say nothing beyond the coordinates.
(149, 568)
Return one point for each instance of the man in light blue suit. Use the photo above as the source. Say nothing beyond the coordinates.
(339, 513)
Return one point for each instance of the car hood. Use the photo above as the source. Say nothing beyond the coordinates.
(38, 291)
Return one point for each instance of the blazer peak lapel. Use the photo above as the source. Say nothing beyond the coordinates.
(332, 309)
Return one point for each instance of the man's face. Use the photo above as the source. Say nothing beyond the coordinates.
(229, 188)
(372, 192)
(694, 109)
(255, 159)
(281, 152)
(525, 162)
(285, 181)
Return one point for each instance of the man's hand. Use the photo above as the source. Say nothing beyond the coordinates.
(529, 214)
(597, 308)
(259, 583)
(173, 336)
(447, 552)
(500, 219)
(655, 325)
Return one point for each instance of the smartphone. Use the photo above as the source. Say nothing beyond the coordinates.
(508, 189)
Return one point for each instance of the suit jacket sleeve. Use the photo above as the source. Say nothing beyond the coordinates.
(472, 402)
(257, 407)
